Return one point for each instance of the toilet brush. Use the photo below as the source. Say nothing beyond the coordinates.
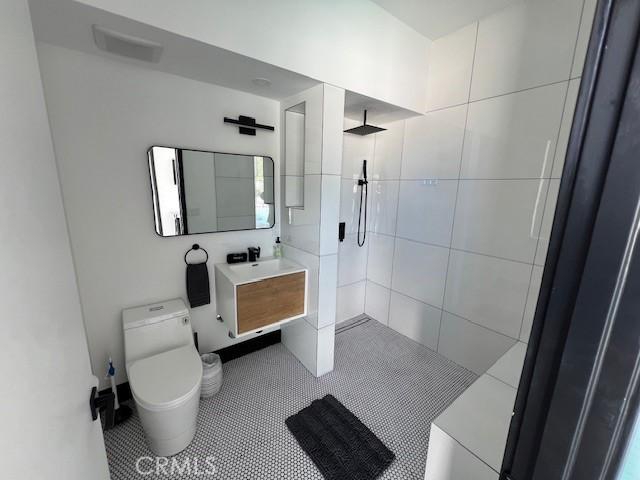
(122, 412)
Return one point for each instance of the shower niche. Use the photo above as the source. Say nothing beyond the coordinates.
(294, 155)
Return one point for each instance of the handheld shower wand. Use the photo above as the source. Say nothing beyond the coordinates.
(364, 192)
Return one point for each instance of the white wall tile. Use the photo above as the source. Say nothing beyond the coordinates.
(425, 210)
(332, 121)
(376, 302)
(352, 265)
(419, 271)
(329, 214)
(433, 144)
(350, 301)
(509, 366)
(355, 149)
(414, 319)
(586, 23)
(547, 221)
(523, 46)
(312, 264)
(388, 152)
(380, 262)
(532, 300)
(565, 127)
(325, 347)
(350, 205)
(300, 338)
(450, 66)
(327, 293)
(513, 136)
(488, 291)
(499, 217)
(383, 196)
(472, 346)
(484, 433)
(448, 460)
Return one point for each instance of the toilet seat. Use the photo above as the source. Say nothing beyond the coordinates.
(166, 380)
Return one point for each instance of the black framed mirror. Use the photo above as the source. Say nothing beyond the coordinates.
(198, 191)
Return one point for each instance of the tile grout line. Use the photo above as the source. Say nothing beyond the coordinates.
(395, 229)
(455, 203)
(522, 90)
(471, 252)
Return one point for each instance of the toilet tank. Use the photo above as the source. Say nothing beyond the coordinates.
(155, 328)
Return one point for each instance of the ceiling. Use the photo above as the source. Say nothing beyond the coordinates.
(68, 24)
(435, 18)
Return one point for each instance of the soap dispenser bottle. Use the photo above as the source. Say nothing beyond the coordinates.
(277, 248)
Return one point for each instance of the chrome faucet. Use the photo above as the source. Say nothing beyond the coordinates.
(254, 253)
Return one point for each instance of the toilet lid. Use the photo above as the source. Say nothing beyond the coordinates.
(166, 379)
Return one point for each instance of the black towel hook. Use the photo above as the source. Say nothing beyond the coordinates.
(196, 247)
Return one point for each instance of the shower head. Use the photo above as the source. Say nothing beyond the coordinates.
(365, 129)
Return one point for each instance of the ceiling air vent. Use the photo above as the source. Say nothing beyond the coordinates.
(126, 45)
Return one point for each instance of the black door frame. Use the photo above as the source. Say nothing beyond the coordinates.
(580, 378)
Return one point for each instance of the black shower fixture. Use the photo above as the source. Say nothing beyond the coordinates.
(365, 129)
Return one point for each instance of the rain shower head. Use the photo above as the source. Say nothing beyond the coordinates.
(365, 129)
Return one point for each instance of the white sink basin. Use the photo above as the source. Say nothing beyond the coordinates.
(251, 272)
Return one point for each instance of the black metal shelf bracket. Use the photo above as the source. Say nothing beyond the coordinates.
(248, 125)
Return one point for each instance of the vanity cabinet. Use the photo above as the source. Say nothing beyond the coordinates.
(254, 296)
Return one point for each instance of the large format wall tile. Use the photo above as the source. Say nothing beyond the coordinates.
(327, 291)
(349, 202)
(513, 136)
(388, 153)
(532, 301)
(547, 221)
(376, 302)
(352, 261)
(419, 271)
(433, 144)
(329, 214)
(499, 217)
(350, 301)
(383, 198)
(380, 262)
(425, 210)
(472, 346)
(488, 291)
(565, 127)
(526, 45)
(450, 66)
(414, 319)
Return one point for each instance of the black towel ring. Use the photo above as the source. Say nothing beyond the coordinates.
(196, 247)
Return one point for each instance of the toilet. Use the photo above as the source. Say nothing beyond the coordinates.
(165, 373)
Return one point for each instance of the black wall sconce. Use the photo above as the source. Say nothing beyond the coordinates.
(247, 125)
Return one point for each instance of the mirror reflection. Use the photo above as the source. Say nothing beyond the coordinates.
(197, 191)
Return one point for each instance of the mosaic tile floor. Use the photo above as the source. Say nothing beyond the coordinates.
(394, 385)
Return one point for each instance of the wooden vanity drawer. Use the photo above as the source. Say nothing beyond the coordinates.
(268, 301)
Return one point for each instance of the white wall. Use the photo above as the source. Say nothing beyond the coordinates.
(44, 362)
(464, 196)
(104, 115)
(353, 44)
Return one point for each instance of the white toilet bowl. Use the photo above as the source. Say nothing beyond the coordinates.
(166, 389)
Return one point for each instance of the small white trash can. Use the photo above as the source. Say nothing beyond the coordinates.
(211, 374)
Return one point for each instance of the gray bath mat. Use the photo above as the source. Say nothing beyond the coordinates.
(340, 445)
